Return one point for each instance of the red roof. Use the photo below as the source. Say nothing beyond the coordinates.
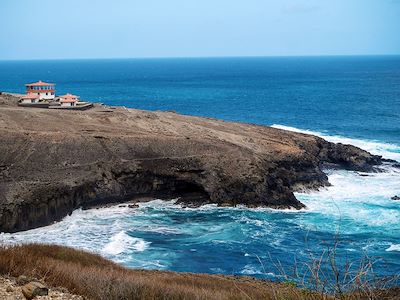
(39, 83)
(68, 98)
(30, 96)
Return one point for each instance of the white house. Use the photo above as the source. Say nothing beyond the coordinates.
(43, 89)
(68, 100)
(30, 98)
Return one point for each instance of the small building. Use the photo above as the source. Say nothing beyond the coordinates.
(29, 98)
(68, 100)
(44, 90)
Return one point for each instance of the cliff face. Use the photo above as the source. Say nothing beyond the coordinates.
(52, 162)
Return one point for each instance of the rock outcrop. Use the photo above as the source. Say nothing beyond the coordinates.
(52, 162)
(33, 289)
(11, 289)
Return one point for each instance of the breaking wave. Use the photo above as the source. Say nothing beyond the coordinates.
(395, 247)
(210, 239)
(122, 243)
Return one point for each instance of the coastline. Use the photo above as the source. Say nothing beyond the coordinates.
(105, 155)
(75, 274)
(200, 150)
(308, 186)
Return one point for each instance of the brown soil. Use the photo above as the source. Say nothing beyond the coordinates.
(52, 162)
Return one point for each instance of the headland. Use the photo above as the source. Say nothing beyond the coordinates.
(54, 161)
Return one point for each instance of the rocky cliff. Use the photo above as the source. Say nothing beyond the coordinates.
(52, 162)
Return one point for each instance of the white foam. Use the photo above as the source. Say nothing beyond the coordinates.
(364, 200)
(393, 247)
(85, 229)
(162, 230)
(389, 151)
(116, 245)
(122, 242)
(350, 185)
(251, 270)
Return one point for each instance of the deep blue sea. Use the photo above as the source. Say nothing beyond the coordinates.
(353, 100)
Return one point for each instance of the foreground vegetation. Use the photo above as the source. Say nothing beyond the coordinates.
(94, 277)
(97, 278)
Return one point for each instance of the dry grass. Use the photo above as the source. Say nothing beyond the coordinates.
(328, 275)
(94, 277)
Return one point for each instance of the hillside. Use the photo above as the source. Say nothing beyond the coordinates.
(53, 161)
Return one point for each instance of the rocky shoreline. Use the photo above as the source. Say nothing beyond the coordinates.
(12, 288)
(53, 162)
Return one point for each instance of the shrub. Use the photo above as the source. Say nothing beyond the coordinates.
(94, 277)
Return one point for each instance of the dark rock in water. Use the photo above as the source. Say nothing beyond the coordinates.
(395, 197)
(225, 204)
(133, 205)
(392, 162)
(388, 160)
(52, 163)
(363, 174)
(191, 205)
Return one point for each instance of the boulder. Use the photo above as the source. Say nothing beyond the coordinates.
(22, 280)
(33, 289)
(133, 205)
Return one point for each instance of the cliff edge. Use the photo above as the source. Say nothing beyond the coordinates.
(53, 161)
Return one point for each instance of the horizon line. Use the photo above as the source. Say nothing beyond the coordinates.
(201, 57)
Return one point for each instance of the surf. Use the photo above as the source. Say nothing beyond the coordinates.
(163, 235)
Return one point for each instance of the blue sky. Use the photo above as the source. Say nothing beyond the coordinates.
(49, 29)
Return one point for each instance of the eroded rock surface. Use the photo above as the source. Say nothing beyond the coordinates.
(52, 162)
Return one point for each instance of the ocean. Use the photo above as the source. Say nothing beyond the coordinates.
(352, 100)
